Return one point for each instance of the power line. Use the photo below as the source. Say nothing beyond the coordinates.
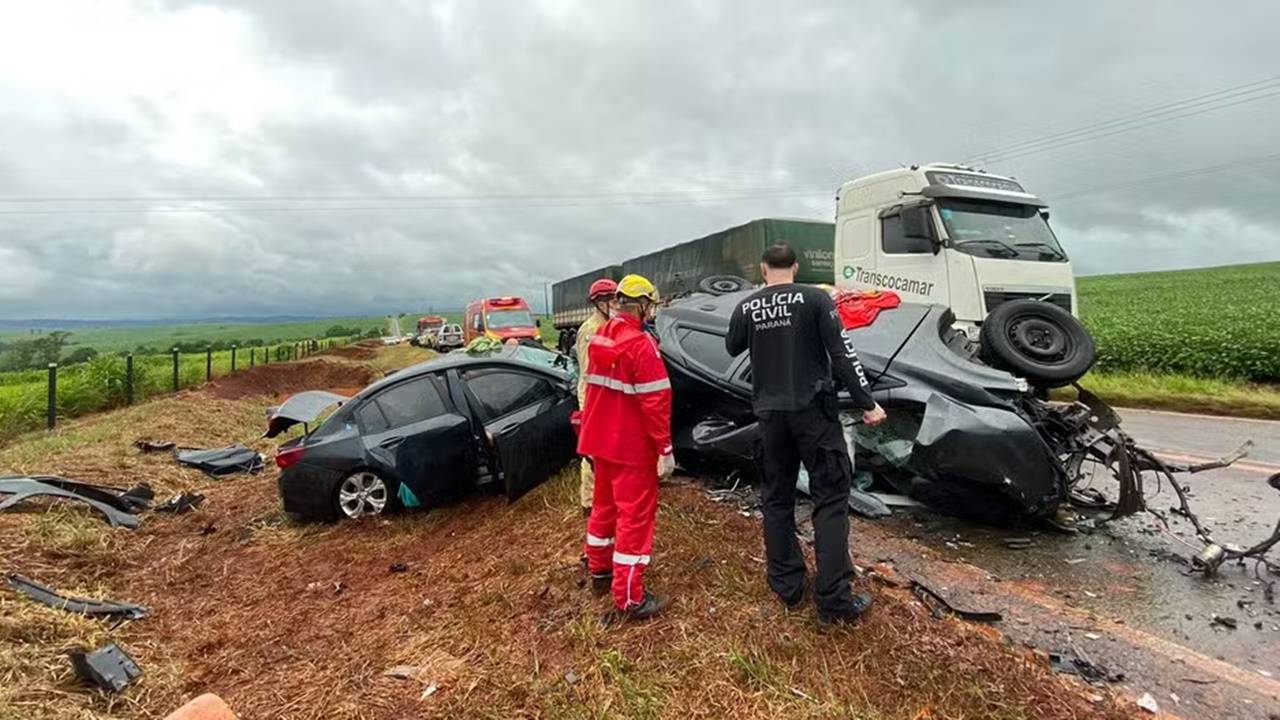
(386, 196)
(1199, 104)
(686, 200)
(1163, 177)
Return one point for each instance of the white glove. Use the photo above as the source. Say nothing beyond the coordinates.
(666, 465)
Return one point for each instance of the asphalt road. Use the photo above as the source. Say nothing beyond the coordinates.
(1129, 582)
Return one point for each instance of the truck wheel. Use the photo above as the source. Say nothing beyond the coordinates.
(722, 284)
(1039, 341)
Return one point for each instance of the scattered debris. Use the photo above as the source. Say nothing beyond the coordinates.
(151, 446)
(108, 667)
(937, 604)
(1148, 703)
(180, 503)
(403, 672)
(115, 507)
(399, 567)
(1019, 543)
(222, 461)
(572, 678)
(1081, 665)
(84, 606)
(1226, 622)
(429, 691)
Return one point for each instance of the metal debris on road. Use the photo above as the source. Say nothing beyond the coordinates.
(84, 606)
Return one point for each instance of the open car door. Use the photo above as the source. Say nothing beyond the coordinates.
(527, 418)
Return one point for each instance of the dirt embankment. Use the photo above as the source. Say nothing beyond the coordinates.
(287, 378)
(483, 600)
(360, 351)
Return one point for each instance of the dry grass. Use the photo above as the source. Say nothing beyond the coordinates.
(301, 621)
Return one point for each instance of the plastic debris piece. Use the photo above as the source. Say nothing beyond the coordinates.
(108, 667)
(1148, 703)
(84, 606)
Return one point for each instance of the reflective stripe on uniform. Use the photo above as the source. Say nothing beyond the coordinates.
(628, 388)
(625, 559)
(594, 541)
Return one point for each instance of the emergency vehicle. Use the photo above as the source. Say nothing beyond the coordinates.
(953, 235)
(500, 318)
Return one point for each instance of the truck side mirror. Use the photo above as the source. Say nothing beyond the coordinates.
(916, 222)
(538, 322)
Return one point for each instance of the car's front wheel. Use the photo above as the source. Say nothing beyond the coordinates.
(361, 493)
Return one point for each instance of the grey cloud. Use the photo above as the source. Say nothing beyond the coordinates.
(458, 98)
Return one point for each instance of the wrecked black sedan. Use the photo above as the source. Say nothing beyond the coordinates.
(961, 436)
(429, 434)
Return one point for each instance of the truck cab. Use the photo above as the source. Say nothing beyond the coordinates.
(953, 235)
(500, 318)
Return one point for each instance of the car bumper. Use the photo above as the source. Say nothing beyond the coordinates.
(307, 491)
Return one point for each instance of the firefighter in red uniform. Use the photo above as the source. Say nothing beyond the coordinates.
(626, 431)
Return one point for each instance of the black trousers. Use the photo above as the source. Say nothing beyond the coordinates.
(813, 436)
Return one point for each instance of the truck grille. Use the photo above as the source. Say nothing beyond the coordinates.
(994, 298)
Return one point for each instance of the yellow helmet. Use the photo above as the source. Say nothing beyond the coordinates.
(637, 286)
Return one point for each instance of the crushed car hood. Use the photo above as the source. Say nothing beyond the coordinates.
(956, 439)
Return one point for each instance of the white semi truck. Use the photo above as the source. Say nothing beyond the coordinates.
(952, 235)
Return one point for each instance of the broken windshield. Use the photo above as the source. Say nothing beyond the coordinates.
(1000, 230)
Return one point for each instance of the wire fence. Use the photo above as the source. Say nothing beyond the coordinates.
(43, 397)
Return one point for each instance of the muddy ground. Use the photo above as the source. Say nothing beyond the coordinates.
(484, 600)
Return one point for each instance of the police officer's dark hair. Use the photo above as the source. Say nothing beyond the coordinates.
(779, 256)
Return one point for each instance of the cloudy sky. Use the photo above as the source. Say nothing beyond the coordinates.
(185, 159)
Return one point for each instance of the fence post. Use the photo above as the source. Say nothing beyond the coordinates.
(208, 364)
(252, 352)
(233, 358)
(53, 394)
(128, 379)
(175, 369)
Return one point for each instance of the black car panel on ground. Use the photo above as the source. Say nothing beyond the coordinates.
(431, 433)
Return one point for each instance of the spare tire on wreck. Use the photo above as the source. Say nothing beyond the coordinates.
(723, 284)
(1039, 341)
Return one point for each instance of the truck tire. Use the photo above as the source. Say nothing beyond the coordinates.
(722, 284)
(1038, 341)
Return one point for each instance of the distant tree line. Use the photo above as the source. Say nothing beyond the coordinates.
(38, 352)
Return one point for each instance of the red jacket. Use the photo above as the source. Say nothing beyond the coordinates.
(627, 416)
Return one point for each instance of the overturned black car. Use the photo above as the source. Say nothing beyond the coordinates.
(429, 434)
(962, 436)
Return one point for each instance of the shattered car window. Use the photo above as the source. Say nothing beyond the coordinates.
(410, 402)
(503, 392)
(708, 348)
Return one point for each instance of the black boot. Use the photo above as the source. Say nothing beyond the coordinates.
(601, 583)
(650, 606)
(861, 603)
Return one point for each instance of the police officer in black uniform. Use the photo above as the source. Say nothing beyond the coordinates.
(794, 335)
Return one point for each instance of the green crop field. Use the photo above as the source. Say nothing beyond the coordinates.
(109, 339)
(1212, 322)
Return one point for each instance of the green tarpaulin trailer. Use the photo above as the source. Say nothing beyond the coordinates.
(680, 269)
(569, 303)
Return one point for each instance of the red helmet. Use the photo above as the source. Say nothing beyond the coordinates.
(602, 287)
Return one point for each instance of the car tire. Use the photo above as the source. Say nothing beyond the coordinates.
(1039, 341)
(363, 493)
(722, 284)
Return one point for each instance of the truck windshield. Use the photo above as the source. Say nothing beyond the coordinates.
(504, 319)
(999, 230)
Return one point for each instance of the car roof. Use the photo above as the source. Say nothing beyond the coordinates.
(462, 360)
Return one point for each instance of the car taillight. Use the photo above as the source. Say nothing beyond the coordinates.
(289, 456)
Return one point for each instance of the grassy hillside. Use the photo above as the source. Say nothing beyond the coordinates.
(1211, 322)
